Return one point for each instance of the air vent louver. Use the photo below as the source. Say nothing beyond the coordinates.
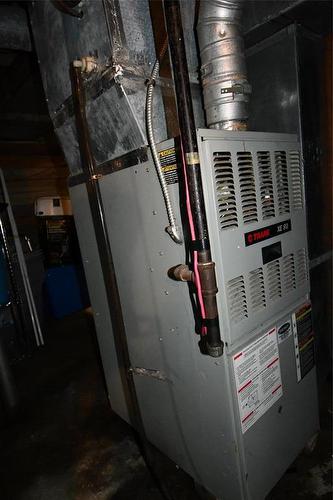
(225, 190)
(288, 273)
(274, 280)
(266, 184)
(301, 267)
(281, 169)
(247, 187)
(296, 180)
(257, 289)
(237, 299)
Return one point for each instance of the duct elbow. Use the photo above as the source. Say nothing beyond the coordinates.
(223, 71)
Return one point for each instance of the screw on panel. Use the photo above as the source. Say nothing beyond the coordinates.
(154, 212)
(173, 329)
(166, 292)
(161, 253)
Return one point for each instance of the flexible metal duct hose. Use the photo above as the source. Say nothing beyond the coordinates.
(173, 230)
(223, 71)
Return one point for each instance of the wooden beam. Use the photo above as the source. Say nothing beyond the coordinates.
(23, 148)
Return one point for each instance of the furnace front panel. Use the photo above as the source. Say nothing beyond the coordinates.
(237, 422)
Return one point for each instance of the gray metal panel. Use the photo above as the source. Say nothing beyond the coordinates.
(116, 126)
(272, 444)
(60, 39)
(116, 111)
(256, 13)
(14, 28)
(232, 257)
(267, 446)
(138, 30)
(186, 415)
(272, 72)
(190, 411)
(68, 140)
(94, 276)
(114, 133)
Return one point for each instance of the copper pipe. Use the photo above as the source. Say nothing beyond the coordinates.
(206, 268)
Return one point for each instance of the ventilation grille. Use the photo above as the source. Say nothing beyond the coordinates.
(237, 299)
(266, 184)
(257, 289)
(296, 180)
(274, 280)
(266, 284)
(282, 182)
(288, 272)
(247, 187)
(225, 190)
(301, 267)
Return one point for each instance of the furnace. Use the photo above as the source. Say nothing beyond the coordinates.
(194, 241)
(221, 419)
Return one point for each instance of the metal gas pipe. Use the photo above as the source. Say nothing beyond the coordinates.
(205, 266)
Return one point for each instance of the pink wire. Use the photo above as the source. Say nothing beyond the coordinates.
(197, 281)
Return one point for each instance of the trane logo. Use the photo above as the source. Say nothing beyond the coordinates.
(258, 236)
(265, 233)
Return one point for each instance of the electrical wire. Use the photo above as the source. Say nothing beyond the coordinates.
(197, 281)
(173, 230)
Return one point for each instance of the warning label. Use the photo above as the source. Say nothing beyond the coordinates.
(303, 340)
(284, 331)
(169, 165)
(258, 378)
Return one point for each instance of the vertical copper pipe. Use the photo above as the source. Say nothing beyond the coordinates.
(189, 141)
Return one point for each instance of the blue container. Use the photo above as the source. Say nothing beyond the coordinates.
(4, 280)
(65, 292)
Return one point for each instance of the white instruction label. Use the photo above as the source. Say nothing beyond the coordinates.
(258, 378)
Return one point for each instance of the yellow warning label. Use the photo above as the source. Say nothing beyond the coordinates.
(167, 152)
(169, 168)
(169, 165)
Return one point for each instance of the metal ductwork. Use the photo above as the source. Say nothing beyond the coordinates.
(223, 70)
(14, 28)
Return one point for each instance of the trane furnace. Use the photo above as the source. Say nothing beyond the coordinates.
(235, 422)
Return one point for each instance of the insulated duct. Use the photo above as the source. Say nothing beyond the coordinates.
(14, 28)
(223, 71)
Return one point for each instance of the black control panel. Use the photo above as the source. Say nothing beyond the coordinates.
(271, 252)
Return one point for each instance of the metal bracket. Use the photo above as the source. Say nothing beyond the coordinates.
(96, 177)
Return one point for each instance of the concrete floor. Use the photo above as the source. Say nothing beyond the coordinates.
(66, 444)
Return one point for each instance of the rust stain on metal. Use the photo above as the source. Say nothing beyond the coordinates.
(147, 372)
